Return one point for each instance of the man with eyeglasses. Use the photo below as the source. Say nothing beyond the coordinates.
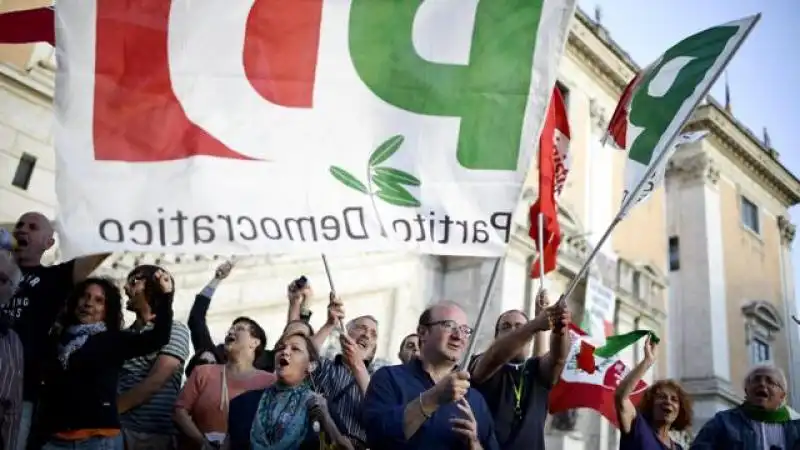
(517, 385)
(762, 422)
(427, 403)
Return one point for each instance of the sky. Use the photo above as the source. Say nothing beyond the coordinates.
(763, 76)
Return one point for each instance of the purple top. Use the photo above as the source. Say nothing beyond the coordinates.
(642, 437)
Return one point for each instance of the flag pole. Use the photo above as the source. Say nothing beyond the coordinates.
(541, 250)
(481, 312)
(328, 272)
(330, 283)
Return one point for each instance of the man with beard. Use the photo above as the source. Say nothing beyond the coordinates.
(515, 385)
(426, 404)
(762, 422)
(149, 385)
(409, 348)
(343, 380)
(10, 358)
(38, 300)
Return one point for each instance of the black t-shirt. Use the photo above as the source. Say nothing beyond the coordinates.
(33, 310)
(518, 428)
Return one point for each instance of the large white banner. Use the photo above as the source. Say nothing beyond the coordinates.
(256, 126)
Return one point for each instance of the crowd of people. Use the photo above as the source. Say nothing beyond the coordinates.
(74, 378)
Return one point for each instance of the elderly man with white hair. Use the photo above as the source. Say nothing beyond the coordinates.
(344, 379)
(11, 359)
(762, 422)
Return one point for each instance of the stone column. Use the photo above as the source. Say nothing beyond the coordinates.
(697, 289)
(787, 231)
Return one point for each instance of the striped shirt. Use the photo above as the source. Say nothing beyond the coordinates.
(11, 369)
(337, 384)
(155, 415)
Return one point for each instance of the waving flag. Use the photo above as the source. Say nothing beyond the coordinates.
(230, 127)
(553, 170)
(634, 172)
(659, 101)
(593, 373)
(28, 26)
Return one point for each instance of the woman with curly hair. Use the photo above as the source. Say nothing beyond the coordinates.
(79, 402)
(664, 407)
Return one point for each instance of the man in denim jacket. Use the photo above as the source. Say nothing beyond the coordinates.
(762, 422)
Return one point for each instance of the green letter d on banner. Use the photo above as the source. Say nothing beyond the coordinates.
(490, 94)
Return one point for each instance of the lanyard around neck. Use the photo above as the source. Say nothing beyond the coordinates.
(518, 387)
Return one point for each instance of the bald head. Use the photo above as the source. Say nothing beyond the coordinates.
(443, 333)
(34, 235)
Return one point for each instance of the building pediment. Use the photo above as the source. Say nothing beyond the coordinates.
(765, 314)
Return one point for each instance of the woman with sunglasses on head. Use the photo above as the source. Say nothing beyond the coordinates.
(283, 416)
(79, 401)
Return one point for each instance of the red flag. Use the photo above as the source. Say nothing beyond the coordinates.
(553, 157)
(618, 124)
(28, 26)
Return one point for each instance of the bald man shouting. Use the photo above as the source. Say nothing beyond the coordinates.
(38, 300)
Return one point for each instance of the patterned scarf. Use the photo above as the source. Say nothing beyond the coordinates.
(757, 414)
(77, 334)
(281, 420)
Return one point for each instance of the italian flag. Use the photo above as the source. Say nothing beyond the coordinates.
(593, 373)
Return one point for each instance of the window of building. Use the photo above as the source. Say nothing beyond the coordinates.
(674, 253)
(637, 284)
(750, 216)
(762, 324)
(760, 351)
(564, 93)
(24, 172)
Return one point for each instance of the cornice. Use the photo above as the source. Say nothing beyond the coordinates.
(38, 81)
(602, 60)
(737, 143)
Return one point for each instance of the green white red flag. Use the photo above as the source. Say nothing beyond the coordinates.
(593, 373)
(659, 101)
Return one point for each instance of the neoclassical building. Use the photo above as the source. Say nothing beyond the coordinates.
(704, 262)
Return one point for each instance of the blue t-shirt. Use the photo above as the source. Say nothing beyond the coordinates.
(642, 437)
(392, 388)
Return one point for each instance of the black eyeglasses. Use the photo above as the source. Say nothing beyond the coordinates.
(452, 327)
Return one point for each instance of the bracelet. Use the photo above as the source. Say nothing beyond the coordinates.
(422, 409)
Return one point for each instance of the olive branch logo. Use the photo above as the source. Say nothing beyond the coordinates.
(385, 183)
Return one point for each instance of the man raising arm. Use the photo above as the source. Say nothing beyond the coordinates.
(515, 385)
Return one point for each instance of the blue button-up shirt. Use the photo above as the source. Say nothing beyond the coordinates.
(392, 388)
